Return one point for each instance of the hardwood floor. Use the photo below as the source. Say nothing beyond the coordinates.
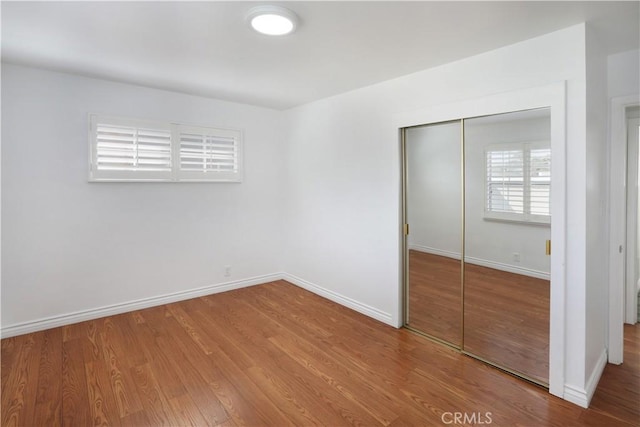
(506, 315)
(275, 355)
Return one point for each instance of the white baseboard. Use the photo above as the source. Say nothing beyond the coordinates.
(110, 310)
(582, 397)
(341, 299)
(576, 395)
(510, 268)
(435, 251)
(81, 316)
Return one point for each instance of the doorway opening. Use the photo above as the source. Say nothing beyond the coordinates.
(624, 224)
(632, 259)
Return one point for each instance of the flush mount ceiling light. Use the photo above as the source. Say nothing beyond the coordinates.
(272, 20)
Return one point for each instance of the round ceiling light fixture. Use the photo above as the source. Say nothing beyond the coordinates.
(272, 20)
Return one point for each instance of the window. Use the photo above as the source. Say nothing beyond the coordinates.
(207, 152)
(124, 149)
(518, 182)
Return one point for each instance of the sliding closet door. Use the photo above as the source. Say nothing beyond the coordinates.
(434, 213)
(507, 228)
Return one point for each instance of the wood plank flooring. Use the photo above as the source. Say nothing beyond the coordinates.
(275, 355)
(506, 315)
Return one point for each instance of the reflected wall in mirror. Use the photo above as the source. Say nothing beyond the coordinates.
(434, 213)
(507, 225)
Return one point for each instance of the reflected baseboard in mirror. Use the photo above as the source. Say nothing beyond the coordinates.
(507, 320)
(434, 297)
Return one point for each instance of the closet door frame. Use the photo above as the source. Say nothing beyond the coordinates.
(553, 97)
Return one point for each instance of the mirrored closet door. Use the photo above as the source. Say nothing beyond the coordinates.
(507, 226)
(434, 212)
(477, 204)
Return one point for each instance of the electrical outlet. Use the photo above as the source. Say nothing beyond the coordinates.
(516, 257)
(227, 271)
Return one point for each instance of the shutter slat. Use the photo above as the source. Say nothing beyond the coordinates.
(132, 149)
(207, 153)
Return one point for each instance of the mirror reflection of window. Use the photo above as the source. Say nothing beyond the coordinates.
(518, 181)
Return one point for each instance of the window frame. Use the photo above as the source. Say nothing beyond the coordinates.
(175, 174)
(526, 216)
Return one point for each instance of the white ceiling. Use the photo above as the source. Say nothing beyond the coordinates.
(206, 48)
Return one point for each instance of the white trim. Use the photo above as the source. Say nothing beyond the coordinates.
(341, 299)
(631, 296)
(617, 221)
(576, 395)
(554, 96)
(517, 218)
(582, 397)
(435, 251)
(81, 316)
(110, 310)
(508, 268)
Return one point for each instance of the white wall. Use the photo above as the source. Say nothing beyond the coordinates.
(623, 74)
(434, 189)
(1, 66)
(344, 176)
(69, 245)
(597, 192)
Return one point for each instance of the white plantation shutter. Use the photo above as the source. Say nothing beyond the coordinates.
(505, 181)
(209, 154)
(518, 182)
(124, 149)
(540, 173)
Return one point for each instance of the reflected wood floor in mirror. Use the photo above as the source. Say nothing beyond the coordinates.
(435, 296)
(506, 314)
(277, 355)
(507, 320)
